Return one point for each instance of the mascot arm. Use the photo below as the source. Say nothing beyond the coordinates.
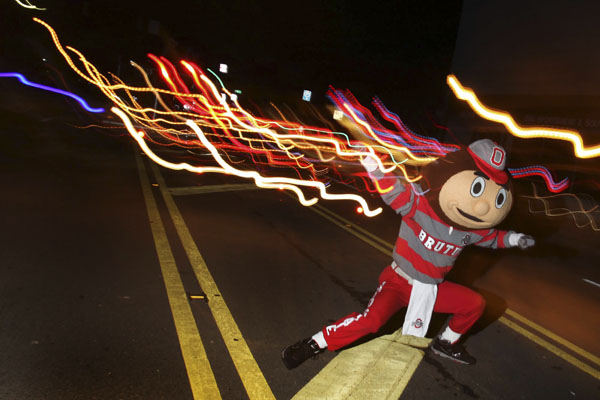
(393, 192)
(497, 239)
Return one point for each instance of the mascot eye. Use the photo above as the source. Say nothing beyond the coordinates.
(478, 186)
(501, 198)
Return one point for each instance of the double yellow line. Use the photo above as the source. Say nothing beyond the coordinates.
(512, 319)
(200, 375)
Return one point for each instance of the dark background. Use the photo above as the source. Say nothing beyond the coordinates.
(530, 57)
(398, 50)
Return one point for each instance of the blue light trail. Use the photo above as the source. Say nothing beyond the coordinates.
(24, 81)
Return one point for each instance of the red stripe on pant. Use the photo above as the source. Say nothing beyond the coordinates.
(392, 295)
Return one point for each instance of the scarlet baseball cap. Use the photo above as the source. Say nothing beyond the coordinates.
(490, 158)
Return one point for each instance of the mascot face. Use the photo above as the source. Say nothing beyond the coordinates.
(470, 188)
(471, 199)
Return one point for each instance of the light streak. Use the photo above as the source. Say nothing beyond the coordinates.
(507, 120)
(260, 181)
(371, 127)
(94, 77)
(402, 136)
(381, 142)
(287, 183)
(28, 5)
(591, 282)
(382, 191)
(430, 143)
(281, 154)
(233, 136)
(24, 81)
(589, 215)
(544, 173)
(418, 191)
(268, 132)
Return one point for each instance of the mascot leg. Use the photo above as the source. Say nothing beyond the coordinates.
(391, 295)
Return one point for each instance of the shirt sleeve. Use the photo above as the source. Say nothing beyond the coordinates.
(399, 196)
(495, 239)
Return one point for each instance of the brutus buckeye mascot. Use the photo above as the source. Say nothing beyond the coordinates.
(468, 193)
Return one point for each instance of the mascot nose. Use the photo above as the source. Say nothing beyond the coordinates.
(481, 207)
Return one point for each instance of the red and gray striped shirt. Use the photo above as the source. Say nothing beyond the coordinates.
(426, 248)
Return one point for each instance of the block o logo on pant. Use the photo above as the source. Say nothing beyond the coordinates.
(418, 323)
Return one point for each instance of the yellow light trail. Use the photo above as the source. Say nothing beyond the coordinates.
(28, 5)
(274, 182)
(98, 79)
(234, 129)
(382, 191)
(507, 120)
(260, 181)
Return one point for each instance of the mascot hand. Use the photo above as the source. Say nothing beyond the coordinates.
(526, 241)
(369, 162)
(521, 240)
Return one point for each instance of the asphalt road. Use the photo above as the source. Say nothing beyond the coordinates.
(84, 311)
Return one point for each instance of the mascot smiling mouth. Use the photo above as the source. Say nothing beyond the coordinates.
(464, 214)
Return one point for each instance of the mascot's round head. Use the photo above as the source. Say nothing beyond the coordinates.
(470, 187)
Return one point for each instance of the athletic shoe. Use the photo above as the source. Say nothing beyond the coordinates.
(455, 352)
(297, 353)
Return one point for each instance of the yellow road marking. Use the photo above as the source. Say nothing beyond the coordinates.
(187, 190)
(200, 375)
(386, 248)
(571, 346)
(549, 346)
(378, 369)
(252, 378)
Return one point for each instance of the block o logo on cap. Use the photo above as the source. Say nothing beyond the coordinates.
(497, 157)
